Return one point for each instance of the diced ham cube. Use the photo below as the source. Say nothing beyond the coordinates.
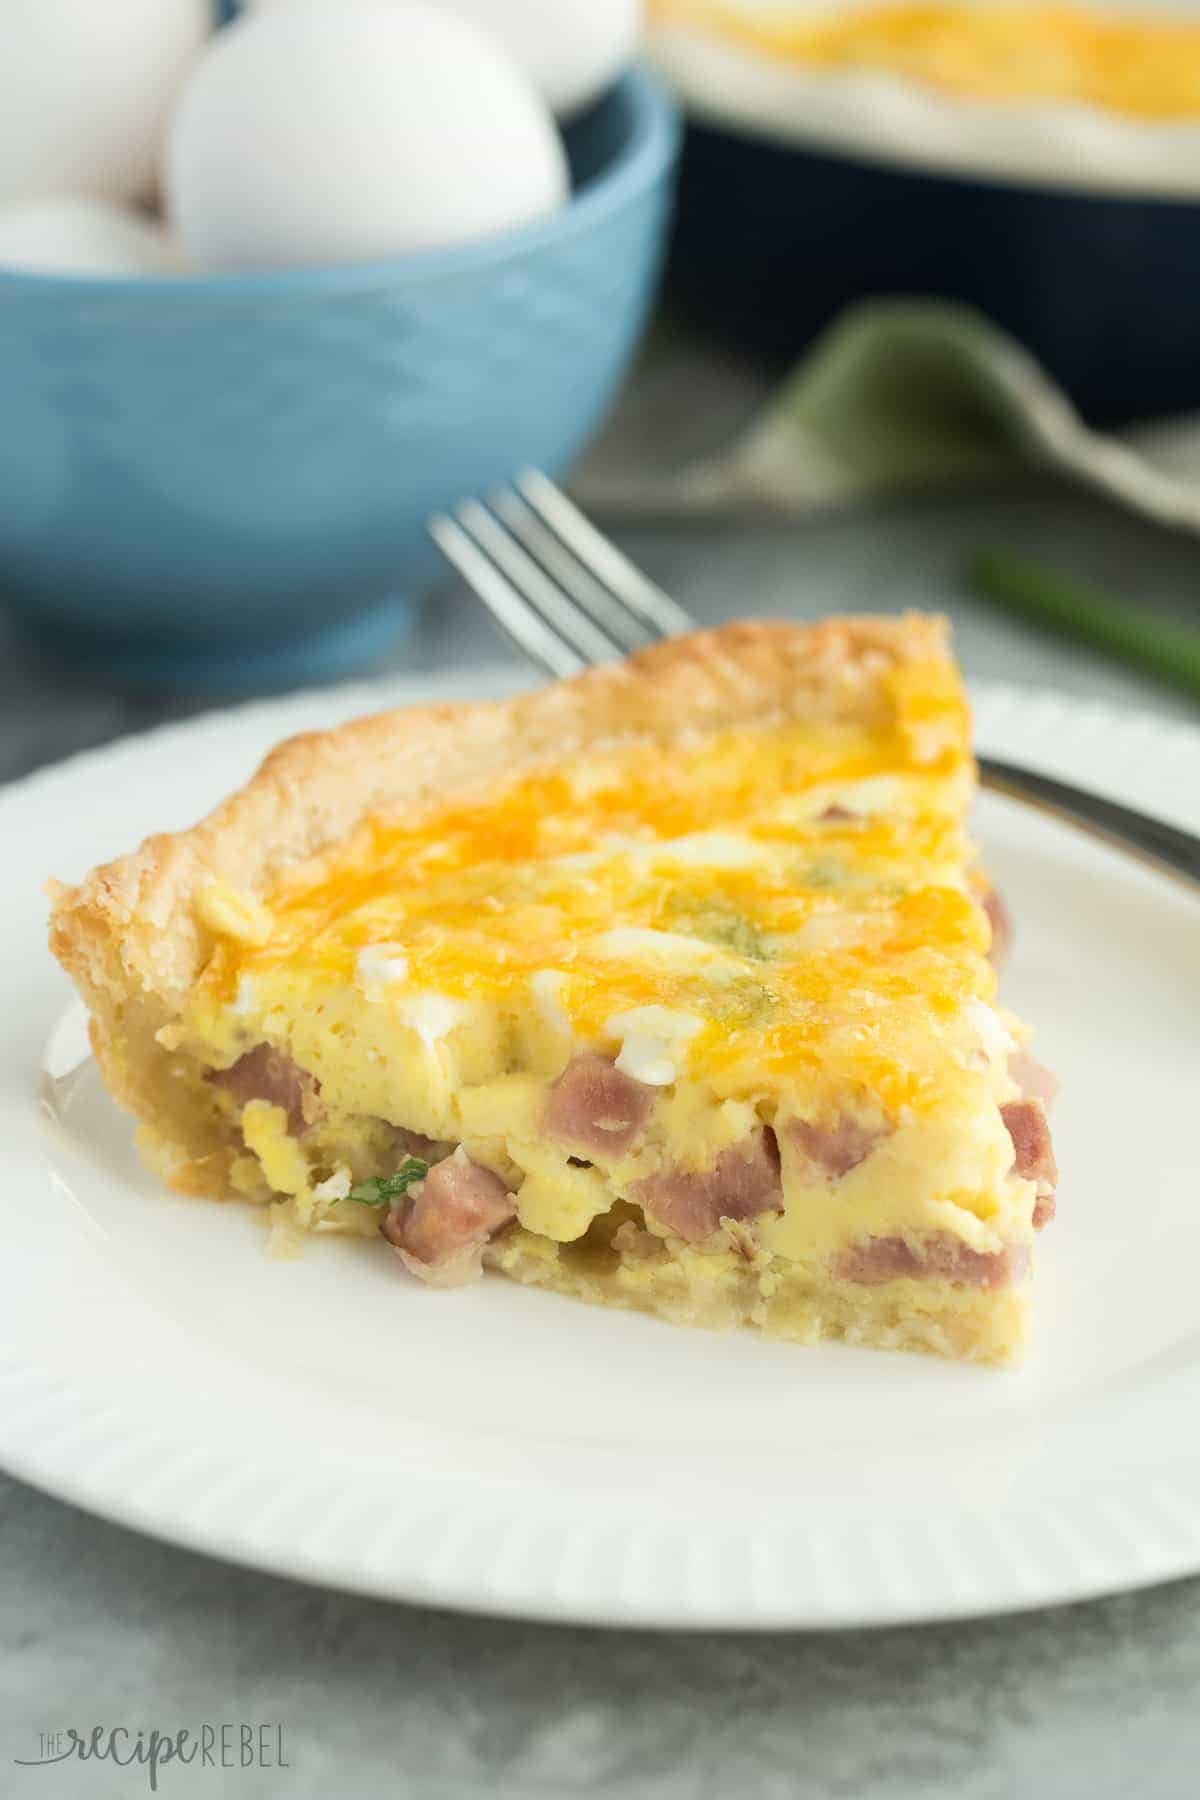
(942, 1257)
(1033, 1154)
(266, 1074)
(1033, 1151)
(837, 1148)
(594, 1105)
(1044, 1208)
(743, 1182)
(443, 1222)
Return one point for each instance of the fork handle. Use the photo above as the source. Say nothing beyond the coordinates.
(1153, 840)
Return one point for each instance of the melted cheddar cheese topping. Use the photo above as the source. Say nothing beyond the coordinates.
(1148, 67)
(767, 907)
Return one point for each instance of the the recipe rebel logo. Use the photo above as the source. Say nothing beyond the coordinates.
(241, 1745)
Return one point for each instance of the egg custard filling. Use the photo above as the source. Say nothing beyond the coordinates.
(666, 988)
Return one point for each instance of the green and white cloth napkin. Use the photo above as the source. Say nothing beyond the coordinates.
(898, 395)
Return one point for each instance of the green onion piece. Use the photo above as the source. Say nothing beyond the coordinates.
(1130, 633)
(381, 1190)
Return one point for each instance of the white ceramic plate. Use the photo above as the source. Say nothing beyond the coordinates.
(510, 1451)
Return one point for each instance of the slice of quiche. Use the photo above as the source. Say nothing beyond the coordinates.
(667, 987)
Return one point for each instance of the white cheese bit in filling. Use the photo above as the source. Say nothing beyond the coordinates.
(874, 796)
(652, 1041)
(379, 966)
(546, 986)
(996, 1039)
(433, 1016)
(826, 931)
(246, 998)
(335, 1188)
(706, 850)
(230, 913)
(609, 844)
(640, 943)
(698, 849)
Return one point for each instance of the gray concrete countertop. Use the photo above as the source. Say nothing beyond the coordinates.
(98, 1626)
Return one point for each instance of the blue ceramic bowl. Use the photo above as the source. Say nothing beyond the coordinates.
(226, 479)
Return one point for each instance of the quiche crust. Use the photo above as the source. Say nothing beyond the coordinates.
(137, 935)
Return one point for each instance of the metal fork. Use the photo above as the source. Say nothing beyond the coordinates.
(571, 600)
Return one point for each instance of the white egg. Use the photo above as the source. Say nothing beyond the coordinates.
(86, 87)
(571, 51)
(323, 132)
(81, 235)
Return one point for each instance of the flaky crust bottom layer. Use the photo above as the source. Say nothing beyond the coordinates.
(792, 1301)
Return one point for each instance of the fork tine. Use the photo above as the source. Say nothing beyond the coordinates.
(601, 558)
(535, 587)
(515, 617)
(577, 581)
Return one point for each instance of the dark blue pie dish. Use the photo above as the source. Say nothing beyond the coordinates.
(1078, 234)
